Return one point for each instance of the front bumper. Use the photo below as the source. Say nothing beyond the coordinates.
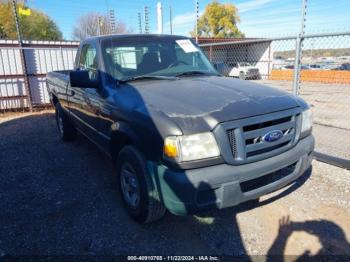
(187, 191)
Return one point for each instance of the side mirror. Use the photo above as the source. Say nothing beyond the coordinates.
(81, 78)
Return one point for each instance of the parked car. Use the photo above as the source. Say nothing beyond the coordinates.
(291, 67)
(182, 137)
(345, 66)
(244, 71)
(315, 67)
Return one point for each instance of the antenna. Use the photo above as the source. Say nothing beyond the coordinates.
(146, 20)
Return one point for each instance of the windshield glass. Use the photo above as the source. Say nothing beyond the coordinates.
(130, 57)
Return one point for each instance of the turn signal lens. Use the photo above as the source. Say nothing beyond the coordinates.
(170, 147)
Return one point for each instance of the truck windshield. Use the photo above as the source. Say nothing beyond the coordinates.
(134, 57)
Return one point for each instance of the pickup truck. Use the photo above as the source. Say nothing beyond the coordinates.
(183, 138)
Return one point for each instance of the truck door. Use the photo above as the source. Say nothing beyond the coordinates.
(84, 103)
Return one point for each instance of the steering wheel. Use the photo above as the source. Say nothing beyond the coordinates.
(177, 63)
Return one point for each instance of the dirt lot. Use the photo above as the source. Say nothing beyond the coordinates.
(331, 110)
(58, 198)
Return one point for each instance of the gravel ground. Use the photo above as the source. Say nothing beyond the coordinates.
(58, 198)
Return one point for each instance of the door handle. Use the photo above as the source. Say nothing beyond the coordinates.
(72, 93)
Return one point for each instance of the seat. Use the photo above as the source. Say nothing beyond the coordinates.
(149, 63)
(113, 69)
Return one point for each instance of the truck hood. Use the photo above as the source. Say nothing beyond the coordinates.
(198, 104)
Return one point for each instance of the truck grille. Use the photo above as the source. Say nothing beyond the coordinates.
(232, 139)
(247, 141)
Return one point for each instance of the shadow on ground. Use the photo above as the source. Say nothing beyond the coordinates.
(58, 198)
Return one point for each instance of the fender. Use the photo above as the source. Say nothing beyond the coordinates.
(123, 134)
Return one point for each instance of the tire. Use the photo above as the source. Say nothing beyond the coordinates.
(131, 170)
(242, 76)
(65, 128)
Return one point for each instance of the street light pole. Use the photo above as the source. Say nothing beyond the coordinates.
(171, 19)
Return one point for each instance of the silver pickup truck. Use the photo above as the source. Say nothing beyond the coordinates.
(183, 138)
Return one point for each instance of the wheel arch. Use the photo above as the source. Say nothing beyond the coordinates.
(122, 135)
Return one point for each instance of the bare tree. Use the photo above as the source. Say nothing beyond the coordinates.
(93, 24)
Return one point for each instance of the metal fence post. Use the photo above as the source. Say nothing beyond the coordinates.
(298, 50)
(62, 58)
(22, 55)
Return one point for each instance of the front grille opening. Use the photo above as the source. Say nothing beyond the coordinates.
(267, 179)
(267, 123)
(232, 139)
(265, 150)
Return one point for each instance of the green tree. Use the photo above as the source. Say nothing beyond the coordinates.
(36, 26)
(219, 21)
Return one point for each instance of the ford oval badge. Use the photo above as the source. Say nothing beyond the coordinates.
(273, 136)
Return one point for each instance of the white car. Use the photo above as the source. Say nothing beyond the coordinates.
(244, 71)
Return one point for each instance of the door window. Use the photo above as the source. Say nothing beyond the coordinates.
(88, 61)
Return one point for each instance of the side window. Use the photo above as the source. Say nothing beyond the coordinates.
(88, 61)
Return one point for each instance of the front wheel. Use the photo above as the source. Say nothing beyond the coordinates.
(65, 128)
(140, 198)
(242, 76)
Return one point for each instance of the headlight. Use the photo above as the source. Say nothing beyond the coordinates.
(306, 123)
(192, 147)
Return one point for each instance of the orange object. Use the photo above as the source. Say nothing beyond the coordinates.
(322, 76)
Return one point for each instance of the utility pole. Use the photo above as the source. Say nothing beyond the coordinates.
(112, 23)
(159, 17)
(197, 17)
(298, 50)
(140, 22)
(146, 20)
(171, 19)
(22, 55)
(99, 25)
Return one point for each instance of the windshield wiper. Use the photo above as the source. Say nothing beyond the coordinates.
(195, 72)
(134, 78)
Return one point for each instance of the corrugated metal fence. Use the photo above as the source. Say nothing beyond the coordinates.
(40, 57)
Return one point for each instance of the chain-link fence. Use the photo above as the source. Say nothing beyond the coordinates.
(326, 87)
(324, 77)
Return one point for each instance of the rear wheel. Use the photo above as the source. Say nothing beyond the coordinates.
(65, 128)
(140, 198)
